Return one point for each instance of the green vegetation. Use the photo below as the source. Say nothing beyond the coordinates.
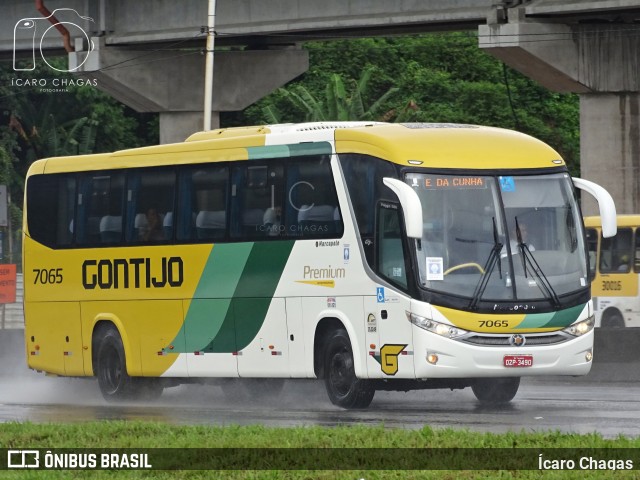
(75, 119)
(426, 78)
(120, 434)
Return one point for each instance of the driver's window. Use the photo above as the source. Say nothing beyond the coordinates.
(615, 252)
(391, 257)
(592, 244)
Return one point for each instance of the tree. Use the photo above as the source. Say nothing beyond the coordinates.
(440, 77)
(337, 104)
(75, 119)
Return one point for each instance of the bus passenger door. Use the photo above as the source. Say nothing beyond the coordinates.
(389, 329)
(372, 336)
(261, 333)
(396, 339)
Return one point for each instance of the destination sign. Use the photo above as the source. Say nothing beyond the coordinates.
(449, 182)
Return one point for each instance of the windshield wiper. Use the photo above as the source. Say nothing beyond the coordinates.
(528, 258)
(492, 260)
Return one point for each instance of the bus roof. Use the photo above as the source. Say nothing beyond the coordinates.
(628, 220)
(435, 145)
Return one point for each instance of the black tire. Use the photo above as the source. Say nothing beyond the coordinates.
(111, 370)
(343, 387)
(495, 391)
(613, 320)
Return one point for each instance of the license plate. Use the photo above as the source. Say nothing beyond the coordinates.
(518, 361)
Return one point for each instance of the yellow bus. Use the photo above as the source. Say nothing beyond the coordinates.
(614, 266)
(374, 256)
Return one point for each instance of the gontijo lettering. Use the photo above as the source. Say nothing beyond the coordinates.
(132, 273)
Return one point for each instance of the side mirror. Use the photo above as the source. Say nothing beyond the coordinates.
(411, 206)
(605, 204)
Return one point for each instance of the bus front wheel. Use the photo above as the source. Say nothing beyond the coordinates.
(495, 391)
(343, 387)
(111, 370)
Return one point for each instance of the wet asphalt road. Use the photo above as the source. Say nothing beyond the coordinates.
(567, 405)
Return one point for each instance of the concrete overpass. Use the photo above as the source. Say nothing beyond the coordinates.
(147, 55)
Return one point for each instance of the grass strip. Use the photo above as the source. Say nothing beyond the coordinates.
(347, 441)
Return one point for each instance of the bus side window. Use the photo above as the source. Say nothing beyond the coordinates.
(51, 202)
(150, 196)
(615, 252)
(636, 258)
(203, 195)
(256, 200)
(592, 245)
(313, 210)
(100, 208)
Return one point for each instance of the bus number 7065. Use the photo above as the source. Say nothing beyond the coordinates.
(44, 276)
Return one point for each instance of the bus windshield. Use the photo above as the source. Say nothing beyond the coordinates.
(500, 238)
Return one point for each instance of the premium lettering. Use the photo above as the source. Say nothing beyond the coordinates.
(323, 273)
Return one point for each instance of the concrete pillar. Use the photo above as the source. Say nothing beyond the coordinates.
(610, 142)
(175, 127)
(602, 64)
(172, 82)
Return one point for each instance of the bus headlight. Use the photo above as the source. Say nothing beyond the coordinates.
(438, 328)
(580, 328)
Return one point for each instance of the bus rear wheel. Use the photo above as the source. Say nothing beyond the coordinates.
(495, 391)
(343, 387)
(111, 370)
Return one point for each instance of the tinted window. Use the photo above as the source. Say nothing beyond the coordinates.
(615, 252)
(100, 208)
(390, 258)
(150, 197)
(249, 200)
(203, 201)
(592, 245)
(363, 176)
(50, 206)
(311, 201)
(256, 194)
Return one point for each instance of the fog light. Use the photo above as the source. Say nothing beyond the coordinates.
(588, 356)
(432, 358)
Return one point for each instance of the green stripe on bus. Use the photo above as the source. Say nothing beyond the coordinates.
(311, 148)
(269, 151)
(293, 150)
(259, 280)
(209, 307)
(563, 318)
(252, 296)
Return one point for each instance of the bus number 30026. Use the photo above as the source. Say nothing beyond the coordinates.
(44, 276)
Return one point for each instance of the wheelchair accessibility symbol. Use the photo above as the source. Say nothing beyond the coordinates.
(380, 295)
